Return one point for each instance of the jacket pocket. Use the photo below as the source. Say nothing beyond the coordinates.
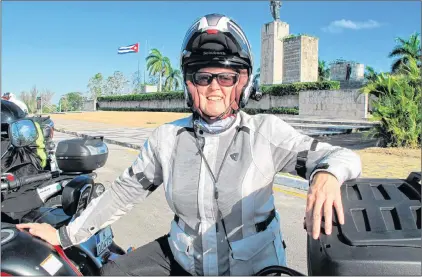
(253, 253)
(182, 248)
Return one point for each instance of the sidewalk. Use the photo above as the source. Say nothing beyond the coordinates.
(134, 137)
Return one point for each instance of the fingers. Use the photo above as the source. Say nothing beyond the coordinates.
(328, 215)
(308, 215)
(338, 205)
(316, 215)
(26, 226)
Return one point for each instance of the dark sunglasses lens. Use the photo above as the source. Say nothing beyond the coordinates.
(202, 79)
(227, 79)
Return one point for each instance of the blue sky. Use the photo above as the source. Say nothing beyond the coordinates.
(60, 45)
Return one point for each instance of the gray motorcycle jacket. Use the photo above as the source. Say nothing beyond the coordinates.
(220, 187)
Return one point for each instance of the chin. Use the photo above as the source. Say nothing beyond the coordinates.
(214, 113)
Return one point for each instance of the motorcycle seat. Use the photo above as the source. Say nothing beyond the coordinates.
(53, 216)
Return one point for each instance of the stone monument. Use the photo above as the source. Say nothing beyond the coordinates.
(341, 70)
(300, 62)
(285, 58)
(272, 35)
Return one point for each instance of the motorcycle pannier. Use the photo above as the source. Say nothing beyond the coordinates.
(381, 234)
(81, 154)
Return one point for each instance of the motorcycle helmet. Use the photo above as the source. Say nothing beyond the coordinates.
(10, 112)
(216, 40)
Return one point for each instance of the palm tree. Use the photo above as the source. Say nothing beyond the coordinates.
(173, 80)
(404, 50)
(323, 71)
(397, 105)
(158, 64)
(370, 74)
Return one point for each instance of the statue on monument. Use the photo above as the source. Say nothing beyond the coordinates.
(275, 9)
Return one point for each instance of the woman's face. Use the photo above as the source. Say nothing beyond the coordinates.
(214, 93)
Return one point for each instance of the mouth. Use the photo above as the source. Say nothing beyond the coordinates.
(214, 98)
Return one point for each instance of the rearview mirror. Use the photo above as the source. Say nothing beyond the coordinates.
(23, 133)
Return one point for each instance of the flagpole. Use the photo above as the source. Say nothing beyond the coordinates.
(139, 61)
(146, 55)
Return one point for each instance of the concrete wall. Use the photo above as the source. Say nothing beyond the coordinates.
(272, 52)
(157, 104)
(89, 105)
(266, 103)
(345, 104)
(148, 89)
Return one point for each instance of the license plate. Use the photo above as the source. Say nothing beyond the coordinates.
(104, 239)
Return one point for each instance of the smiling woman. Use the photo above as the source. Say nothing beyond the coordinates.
(215, 87)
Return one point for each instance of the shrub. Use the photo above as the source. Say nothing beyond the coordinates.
(397, 107)
(295, 88)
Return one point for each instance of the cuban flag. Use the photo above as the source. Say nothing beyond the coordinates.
(128, 49)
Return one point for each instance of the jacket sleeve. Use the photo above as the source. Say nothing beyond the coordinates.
(135, 183)
(293, 151)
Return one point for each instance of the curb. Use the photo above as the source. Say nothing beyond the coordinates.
(291, 182)
(278, 179)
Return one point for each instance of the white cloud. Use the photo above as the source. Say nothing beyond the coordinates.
(338, 26)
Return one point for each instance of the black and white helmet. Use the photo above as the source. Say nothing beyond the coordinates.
(216, 40)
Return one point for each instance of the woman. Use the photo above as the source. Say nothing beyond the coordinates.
(217, 168)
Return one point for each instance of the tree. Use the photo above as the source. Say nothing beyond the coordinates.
(96, 86)
(137, 82)
(173, 80)
(157, 64)
(46, 97)
(370, 73)
(323, 71)
(73, 101)
(116, 84)
(30, 99)
(406, 49)
(398, 105)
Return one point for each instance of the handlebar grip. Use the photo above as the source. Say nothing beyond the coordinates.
(34, 178)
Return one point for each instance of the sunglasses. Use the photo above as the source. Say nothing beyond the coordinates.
(225, 79)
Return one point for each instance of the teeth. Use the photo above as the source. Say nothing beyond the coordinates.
(214, 98)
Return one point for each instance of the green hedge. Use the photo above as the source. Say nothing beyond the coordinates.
(276, 90)
(144, 96)
(295, 88)
(278, 110)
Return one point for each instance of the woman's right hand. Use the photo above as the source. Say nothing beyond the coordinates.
(42, 230)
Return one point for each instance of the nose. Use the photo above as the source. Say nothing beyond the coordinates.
(214, 84)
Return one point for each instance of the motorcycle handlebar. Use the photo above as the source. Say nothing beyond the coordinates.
(34, 178)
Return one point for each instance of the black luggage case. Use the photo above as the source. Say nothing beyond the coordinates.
(81, 154)
(381, 234)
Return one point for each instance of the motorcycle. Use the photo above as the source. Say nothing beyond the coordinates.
(25, 200)
(24, 254)
(72, 157)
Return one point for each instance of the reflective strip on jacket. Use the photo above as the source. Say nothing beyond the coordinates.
(252, 151)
